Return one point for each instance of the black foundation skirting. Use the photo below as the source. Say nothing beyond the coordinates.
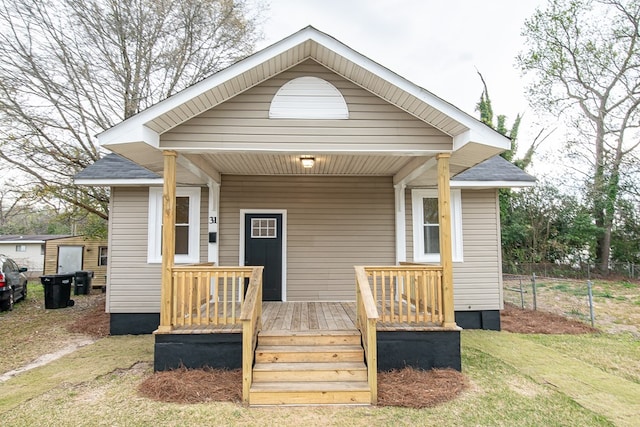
(482, 319)
(418, 349)
(219, 351)
(133, 323)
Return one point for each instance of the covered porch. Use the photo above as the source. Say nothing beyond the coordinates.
(218, 314)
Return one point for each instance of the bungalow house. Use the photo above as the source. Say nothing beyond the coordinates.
(307, 215)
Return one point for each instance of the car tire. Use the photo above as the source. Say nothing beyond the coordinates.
(24, 292)
(9, 304)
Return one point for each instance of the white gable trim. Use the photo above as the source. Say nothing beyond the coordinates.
(134, 129)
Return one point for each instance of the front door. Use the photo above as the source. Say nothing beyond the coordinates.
(69, 259)
(263, 246)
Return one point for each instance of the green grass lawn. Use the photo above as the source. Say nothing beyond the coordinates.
(96, 386)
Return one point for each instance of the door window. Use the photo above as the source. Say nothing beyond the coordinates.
(264, 228)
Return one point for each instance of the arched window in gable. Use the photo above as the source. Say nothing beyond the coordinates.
(308, 98)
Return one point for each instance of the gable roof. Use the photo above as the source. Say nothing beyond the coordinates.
(495, 170)
(113, 168)
(308, 43)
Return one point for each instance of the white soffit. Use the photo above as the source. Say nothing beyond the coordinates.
(308, 98)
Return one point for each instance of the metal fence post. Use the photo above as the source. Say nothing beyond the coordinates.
(533, 285)
(521, 295)
(590, 291)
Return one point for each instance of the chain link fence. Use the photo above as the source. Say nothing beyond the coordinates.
(567, 297)
(619, 270)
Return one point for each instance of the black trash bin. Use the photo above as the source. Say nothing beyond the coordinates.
(83, 282)
(57, 290)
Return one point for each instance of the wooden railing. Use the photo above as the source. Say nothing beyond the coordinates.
(366, 318)
(251, 318)
(408, 293)
(204, 295)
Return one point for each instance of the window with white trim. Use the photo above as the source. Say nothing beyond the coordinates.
(426, 228)
(187, 225)
(264, 228)
(103, 255)
(21, 248)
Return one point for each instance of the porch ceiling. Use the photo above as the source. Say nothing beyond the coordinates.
(198, 168)
(290, 164)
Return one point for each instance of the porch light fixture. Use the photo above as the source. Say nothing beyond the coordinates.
(307, 161)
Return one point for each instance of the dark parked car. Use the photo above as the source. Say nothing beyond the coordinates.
(13, 283)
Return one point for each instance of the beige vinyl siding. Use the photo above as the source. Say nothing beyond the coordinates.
(134, 285)
(244, 119)
(90, 255)
(477, 280)
(333, 223)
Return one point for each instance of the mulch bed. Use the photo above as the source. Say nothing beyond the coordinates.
(94, 322)
(523, 321)
(409, 388)
(414, 388)
(194, 386)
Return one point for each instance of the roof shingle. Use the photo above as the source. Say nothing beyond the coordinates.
(114, 166)
(494, 169)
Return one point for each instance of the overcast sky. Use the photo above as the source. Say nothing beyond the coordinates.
(436, 44)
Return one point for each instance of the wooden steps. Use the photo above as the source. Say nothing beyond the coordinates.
(309, 368)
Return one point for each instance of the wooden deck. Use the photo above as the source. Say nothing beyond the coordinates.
(308, 316)
(305, 316)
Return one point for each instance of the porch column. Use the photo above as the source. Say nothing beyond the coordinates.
(168, 238)
(401, 239)
(446, 257)
(213, 220)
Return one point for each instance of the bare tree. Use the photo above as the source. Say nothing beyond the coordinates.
(585, 57)
(11, 204)
(72, 68)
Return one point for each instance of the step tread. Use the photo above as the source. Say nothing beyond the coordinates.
(314, 387)
(310, 366)
(310, 333)
(308, 348)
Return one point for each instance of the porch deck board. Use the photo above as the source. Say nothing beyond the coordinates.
(307, 316)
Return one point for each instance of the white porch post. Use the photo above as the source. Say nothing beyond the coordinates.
(213, 220)
(446, 256)
(401, 236)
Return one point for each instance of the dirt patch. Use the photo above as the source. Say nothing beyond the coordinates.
(194, 386)
(413, 388)
(409, 388)
(94, 322)
(47, 358)
(523, 321)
